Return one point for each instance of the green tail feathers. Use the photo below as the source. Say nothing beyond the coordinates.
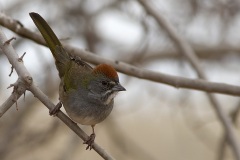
(59, 53)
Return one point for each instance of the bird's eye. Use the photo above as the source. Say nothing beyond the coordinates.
(104, 83)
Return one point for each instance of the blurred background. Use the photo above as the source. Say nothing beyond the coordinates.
(150, 120)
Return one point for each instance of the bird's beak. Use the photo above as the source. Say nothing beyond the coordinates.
(118, 87)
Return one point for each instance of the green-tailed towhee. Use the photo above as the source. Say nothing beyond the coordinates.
(86, 93)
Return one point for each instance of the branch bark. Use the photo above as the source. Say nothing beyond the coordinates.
(18, 90)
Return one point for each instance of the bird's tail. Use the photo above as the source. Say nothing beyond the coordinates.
(59, 53)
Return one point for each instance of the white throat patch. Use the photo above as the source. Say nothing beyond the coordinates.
(111, 96)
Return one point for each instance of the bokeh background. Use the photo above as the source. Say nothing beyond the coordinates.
(150, 120)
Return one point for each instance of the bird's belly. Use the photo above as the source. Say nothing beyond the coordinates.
(84, 120)
(87, 115)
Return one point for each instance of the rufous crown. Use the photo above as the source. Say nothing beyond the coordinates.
(107, 70)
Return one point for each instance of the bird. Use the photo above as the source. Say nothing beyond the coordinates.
(86, 93)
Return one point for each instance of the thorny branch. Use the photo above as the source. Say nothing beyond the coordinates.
(18, 89)
(27, 83)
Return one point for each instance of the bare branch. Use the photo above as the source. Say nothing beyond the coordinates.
(175, 81)
(188, 52)
(28, 82)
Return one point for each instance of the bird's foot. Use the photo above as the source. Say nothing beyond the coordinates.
(56, 109)
(90, 141)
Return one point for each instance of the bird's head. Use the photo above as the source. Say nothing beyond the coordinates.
(105, 84)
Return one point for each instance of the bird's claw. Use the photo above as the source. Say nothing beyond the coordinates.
(90, 141)
(55, 110)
